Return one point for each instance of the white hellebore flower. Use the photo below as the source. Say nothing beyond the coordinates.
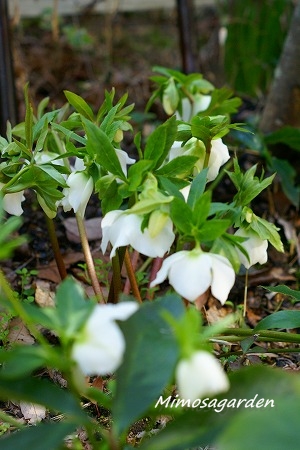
(254, 246)
(77, 195)
(100, 347)
(121, 228)
(191, 273)
(219, 154)
(200, 375)
(189, 110)
(11, 203)
(124, 159)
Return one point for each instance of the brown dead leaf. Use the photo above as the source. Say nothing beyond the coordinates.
(32, 413)
(44, 297)
(92, 226)
(215, 314)
(19, 333)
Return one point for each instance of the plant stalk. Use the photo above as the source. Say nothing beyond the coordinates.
(131, 276)
(56, 249)
(88, 259)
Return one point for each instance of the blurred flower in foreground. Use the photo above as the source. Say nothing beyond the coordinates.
(191, 273)
(200, 375)
(12, 202)
(254, 246)
(100, 345)
(122, 228)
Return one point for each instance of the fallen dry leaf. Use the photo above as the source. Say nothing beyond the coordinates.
(92, 227)
(19, 333)
(44, 297)
(32, 413)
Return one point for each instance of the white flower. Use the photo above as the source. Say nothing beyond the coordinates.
(124, 159)
(100, 346)
(77, 195)
(200, 375)
(201, 103)
(254, 246)
(122, 228)
(191, 273)
(219, 155)
(11, 203)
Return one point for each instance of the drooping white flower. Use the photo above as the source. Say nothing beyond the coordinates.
(191, 273)
(124, 159)
(100, 346)
(77, 195)
(219, 154)
(189, 110)
(121, 228)
(11, 203)
(200, 375)
(254, 246)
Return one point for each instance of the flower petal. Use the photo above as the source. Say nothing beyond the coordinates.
(200, 375)
(223, 277)
(219, 155)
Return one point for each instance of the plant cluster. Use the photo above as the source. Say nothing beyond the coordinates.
(161, 206)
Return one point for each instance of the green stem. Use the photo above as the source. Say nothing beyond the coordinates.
(245, 293)
(131, 276)
(56, 249)
(88, 259)
(13, 179)
(251, 351)
(240, 333)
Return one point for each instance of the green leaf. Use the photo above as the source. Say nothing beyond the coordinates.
(178, 167)
(212, 229)
(137, 172)
(42, 392)
(282, 289)
(287, 174)
(46, 436)
(280, 319)
(21, 361)
(160, 141)
(28, 120)
(72, 308)
(182, 216)
(197, 187)
(267, 230)
(80, 105)
(272, 425)
(201, 208)
(99, 146)
(149, 360)
(286, 135)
